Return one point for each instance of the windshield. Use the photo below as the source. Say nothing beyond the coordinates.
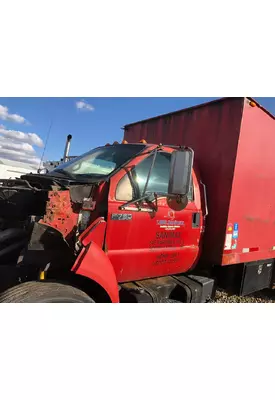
(100, 161)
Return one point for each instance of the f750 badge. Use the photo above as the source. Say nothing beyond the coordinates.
(121, 217)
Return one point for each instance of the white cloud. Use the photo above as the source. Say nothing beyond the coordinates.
(83, 105)
(30, 138)
(19, 156)
(6, 116)
(11, 145)
(18, 146)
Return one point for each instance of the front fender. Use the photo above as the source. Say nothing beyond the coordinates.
(93, 263)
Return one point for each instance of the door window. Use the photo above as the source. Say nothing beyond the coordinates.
(132, 185)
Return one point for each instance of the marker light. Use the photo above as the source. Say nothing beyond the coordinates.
(143, 141)
(107, 144)
(252, 104)
(115, 142)
(124, 142)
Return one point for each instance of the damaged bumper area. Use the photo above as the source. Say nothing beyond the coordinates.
(41, 218)
(20, 202)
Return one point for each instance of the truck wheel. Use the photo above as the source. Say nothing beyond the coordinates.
(170, 301)
(44, 292)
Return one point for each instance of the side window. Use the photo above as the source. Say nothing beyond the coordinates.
(158, 181)
(159, 178)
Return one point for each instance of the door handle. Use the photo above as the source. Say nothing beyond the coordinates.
(196, 220)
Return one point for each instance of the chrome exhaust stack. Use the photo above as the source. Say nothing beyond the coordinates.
(67, 148)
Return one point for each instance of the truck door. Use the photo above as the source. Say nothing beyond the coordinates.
(144, 242)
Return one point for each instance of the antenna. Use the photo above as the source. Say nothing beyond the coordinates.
(48, 134)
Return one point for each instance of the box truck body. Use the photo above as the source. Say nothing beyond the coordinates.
(233, 140)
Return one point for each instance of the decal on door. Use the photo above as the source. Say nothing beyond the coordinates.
(167, 239)
(170, 223)
(164, 258)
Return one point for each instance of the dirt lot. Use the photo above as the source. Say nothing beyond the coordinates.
(265, 296)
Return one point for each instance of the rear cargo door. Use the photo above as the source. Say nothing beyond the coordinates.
(142, 242)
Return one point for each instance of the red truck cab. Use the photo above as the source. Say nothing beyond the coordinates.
(150, 232)
(127, 222)
(120, 215)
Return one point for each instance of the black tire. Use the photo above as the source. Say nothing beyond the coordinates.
(170, 301)
(44, 292)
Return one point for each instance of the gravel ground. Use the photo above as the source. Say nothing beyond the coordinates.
(265, 296)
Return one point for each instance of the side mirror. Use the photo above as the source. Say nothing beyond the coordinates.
(180, 172)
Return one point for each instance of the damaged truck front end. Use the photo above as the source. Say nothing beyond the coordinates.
(41, 220)
(53, 230)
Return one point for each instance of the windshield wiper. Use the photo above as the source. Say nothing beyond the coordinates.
(149, 197)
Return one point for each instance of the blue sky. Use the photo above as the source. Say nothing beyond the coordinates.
(89, 127)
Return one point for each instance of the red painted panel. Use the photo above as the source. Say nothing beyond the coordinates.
(141, 247)
(94, 264)
(94, 233)
(60, 214)
(252, 204)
